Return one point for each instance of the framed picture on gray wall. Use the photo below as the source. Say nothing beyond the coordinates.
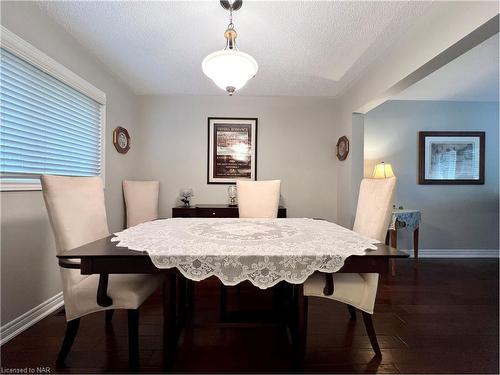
(451, 158)
(232, 150)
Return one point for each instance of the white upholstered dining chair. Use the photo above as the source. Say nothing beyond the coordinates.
(77, 213)
(258, 199)
(359, 291)
(141, 201)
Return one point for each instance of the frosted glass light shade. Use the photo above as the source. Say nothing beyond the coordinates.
(383, 170)
(230, 69)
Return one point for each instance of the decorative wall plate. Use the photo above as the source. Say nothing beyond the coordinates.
(342, 148)
(121, 140)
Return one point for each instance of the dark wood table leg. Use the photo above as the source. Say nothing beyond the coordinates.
(133, 338)
(169, 318)
(223, 302)
(181, 294)
(183, 303)
(394, 244)
(278, 296)
(300, 331)
(415, 243)
(190, 284)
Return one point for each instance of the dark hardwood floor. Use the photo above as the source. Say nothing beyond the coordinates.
(439, 318)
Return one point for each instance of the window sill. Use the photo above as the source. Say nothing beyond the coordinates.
(20, 185)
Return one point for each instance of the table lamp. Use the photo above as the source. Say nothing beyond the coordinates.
(383, 170)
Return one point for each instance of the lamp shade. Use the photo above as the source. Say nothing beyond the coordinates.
(383, 170)
(230, 69)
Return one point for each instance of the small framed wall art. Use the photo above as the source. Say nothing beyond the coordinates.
(121, 140)
(232, 150)
(342, 148)
(455, 158)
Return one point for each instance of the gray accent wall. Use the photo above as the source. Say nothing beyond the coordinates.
(453, 216)
(29, 270)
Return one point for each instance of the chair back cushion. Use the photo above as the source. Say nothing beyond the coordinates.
(76, 209)
(141, 201)
(258, 199)
(374, 210)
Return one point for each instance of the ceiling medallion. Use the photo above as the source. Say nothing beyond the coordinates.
(230, 69)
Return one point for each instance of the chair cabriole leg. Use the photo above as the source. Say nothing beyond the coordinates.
(367, 318)
(109, 316)
(352, 312)
(69, 338)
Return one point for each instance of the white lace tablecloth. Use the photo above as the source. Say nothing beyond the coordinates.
(262, 251)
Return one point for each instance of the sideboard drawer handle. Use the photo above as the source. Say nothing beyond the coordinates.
(213, 213)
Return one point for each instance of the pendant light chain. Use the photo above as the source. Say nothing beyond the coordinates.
(230, 33)
(231, 25)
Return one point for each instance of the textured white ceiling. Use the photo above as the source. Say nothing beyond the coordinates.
(304, 48)
(472, 76)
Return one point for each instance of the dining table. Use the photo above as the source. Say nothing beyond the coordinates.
(264, 252)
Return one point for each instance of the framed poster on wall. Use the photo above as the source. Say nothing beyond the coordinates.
(232, 150)
(451, 158)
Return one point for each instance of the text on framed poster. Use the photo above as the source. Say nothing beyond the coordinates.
(232, 150)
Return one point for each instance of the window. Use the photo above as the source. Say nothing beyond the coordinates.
(48, 124)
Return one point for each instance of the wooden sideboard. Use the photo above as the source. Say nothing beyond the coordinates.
(213, 210)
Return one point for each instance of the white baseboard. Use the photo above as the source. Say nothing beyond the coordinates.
(455, 253)
(23, 322)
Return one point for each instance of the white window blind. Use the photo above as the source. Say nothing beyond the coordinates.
(47, 127)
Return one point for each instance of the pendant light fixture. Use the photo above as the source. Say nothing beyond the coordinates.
(230, 69)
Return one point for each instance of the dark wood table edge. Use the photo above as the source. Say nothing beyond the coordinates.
(120, 260)
(104, 256)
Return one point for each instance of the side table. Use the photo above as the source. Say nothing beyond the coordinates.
(408, 220)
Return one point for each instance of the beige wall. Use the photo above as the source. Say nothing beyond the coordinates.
(295, 144)
(30, 274)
